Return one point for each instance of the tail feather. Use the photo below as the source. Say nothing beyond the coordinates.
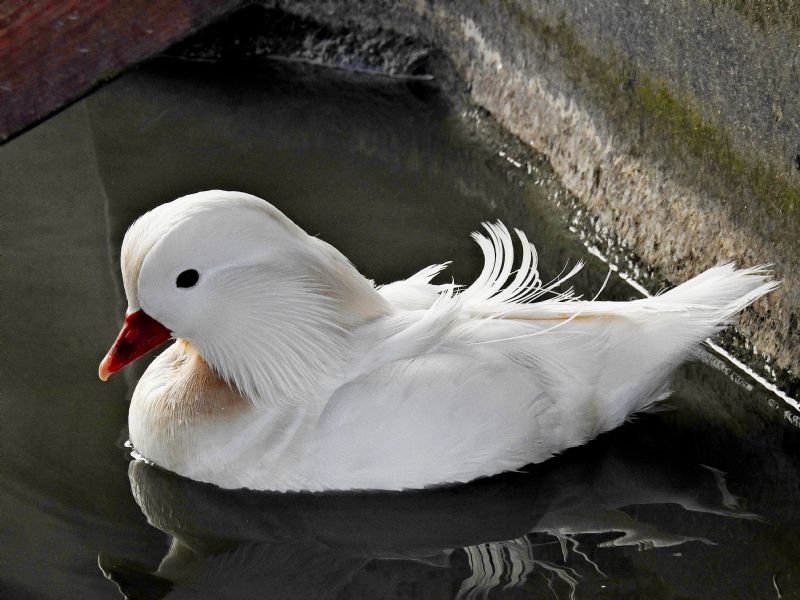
(615, 356)
(724, 288)
(714, 296)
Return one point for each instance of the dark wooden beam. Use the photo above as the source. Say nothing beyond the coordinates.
(54, 51)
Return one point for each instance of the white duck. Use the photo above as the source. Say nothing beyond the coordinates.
(291, 371)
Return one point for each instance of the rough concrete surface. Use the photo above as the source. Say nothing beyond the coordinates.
(676, 123)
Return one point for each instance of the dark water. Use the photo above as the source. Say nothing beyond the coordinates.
(701, 501)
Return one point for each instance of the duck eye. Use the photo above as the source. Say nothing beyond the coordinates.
(187, 279)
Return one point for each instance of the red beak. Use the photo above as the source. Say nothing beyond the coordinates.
(140, 334)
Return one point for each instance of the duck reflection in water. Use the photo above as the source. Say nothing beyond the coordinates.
(516, 532)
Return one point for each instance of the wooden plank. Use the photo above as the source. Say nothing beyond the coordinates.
(54, 51)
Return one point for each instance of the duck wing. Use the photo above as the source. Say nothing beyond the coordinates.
(506, 372)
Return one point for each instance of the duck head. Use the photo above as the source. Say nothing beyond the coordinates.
(267, 306)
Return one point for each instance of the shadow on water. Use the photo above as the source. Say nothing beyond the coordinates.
(396, 178)
(550, 528)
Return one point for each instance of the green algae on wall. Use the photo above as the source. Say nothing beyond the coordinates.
(666, 127)
(766, 14)
(686, 132)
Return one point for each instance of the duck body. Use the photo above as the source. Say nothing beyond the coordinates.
(291, 371)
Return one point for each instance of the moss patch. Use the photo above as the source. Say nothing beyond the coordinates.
(766, 14)
(688, 133)
(668, 129)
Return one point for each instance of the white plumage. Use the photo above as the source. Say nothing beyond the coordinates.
(292, 371)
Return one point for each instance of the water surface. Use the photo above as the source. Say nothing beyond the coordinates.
(699, 501)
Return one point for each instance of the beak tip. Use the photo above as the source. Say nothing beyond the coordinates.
(140, 333)
(102, 371)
